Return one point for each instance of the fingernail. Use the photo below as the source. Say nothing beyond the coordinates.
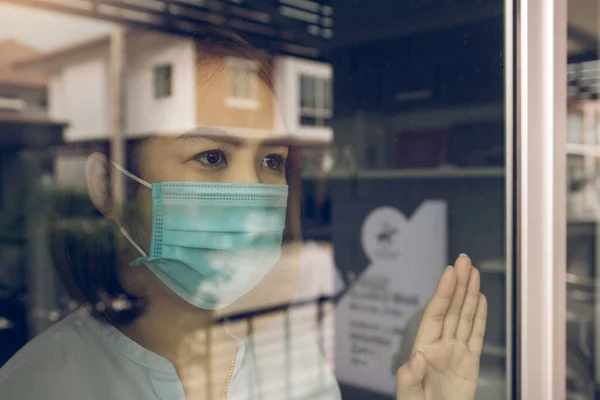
(416, 360)
(463, 255)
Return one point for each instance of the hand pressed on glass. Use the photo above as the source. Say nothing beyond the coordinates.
(447, 350)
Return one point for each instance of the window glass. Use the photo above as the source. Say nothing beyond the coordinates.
(163, 81)
(257, 200)
(574, 127)
(583, 202)
(315, 100)
(307, 91)
(242, 82)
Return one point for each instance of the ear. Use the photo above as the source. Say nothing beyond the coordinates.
(97, 172)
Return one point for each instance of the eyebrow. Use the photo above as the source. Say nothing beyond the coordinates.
(221, 136)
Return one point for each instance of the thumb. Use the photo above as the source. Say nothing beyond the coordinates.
(410, 376)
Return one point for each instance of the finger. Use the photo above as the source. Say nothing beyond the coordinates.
(410, 377)
(463, 270)
(469, 307)
(475, 343)
(431, 325)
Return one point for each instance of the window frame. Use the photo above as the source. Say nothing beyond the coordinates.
(539, 69)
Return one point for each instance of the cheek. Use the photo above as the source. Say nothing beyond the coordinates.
(279, 179)
(138, 219)
(144, 214)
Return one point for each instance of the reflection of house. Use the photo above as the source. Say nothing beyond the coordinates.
(164, 85)
(20, 92)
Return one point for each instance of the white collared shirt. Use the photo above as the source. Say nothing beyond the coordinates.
(81, 358)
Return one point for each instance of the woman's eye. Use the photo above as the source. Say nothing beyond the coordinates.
(274, 162)
(212, 158)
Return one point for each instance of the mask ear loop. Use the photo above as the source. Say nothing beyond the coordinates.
(121, 228)
(130, 240)
(131, 176)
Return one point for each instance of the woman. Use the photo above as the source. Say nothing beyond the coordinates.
(200, 229)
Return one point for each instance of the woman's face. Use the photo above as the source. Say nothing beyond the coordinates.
(207, 155)
(204, 155)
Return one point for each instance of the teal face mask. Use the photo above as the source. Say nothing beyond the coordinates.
(213, 242)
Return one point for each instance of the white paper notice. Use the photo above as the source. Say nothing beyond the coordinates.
(407, 257)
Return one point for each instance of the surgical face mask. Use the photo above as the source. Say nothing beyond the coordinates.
(212, 242)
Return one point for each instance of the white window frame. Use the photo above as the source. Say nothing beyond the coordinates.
(541, 112)
(252, 67)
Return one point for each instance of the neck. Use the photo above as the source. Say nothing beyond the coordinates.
(192, 343)
(179, 335)
(171, 327)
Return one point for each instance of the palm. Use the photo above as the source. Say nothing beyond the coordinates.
(449, 341)
(449, 373)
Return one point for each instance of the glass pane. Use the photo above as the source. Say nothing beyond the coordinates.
(577, 187)
(209, 247)
(596, 131)
(320, 94)
(574, 128)
(240, 82)
(234, 81)
(245, 84)
(328, 97)
(422, 112)
(583, 329)
(162, 81)
(307, 92)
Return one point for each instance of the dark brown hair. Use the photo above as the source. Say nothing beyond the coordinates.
(84, 252)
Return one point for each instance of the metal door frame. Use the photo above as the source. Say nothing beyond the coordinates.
(540, 111)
